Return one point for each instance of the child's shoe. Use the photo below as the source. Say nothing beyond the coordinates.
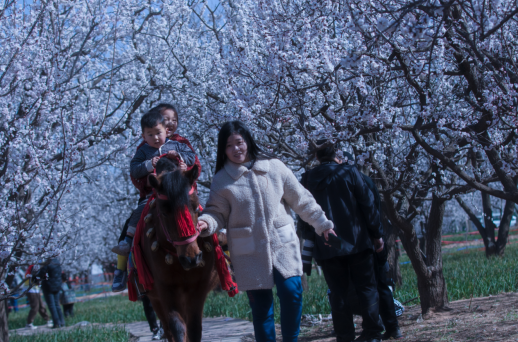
(119, 281)
(123, 248)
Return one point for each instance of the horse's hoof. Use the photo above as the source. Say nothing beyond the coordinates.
(208, 246)
(169, 259)
(150, 232)
(154, 246)
(152, 203)
(148, 218)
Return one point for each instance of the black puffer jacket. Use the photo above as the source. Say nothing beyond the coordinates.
(51, 276)
(347, 200)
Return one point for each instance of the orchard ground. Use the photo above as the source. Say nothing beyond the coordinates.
(492, 314)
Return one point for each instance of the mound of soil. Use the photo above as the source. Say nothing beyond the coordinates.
(492, 318)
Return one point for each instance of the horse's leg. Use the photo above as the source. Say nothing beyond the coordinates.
(171, 301)
(194, 328)
(177, 327)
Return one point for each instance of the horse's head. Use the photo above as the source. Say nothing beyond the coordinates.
(175, 200)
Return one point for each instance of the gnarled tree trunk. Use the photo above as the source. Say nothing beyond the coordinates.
(430, 279)
(392, 248)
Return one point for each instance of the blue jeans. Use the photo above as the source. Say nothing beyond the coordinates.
(52, 299)
(289, 292)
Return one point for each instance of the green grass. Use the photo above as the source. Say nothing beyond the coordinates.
(116, 334)
(115, 309)
(464, 271)
(468, 271)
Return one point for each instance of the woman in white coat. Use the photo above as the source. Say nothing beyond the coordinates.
(251, 195)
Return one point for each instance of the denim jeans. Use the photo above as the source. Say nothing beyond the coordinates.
(289, 292)
(52, 299)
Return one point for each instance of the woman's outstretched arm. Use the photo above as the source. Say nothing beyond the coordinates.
(215, 214)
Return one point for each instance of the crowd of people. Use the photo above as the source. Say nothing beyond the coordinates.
(252, 196)
(51, 283)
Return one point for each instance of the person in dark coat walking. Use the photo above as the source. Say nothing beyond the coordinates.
(386, 307)
(347, 201)
(51, 286)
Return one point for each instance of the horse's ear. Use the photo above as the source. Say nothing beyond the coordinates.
(192, 174)
(153, 181)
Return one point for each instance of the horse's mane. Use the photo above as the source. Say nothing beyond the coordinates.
(174, 184)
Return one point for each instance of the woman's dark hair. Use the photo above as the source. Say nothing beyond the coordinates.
(151, 119)
(237, 127)
(327, 153)
(165, 106)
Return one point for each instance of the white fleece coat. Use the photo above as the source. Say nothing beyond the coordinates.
(254, 205)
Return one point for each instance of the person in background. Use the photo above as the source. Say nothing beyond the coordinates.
(68, 296)
(35, 303)
(344, 196)
(50, 276)
(386, 308)
(151, 319)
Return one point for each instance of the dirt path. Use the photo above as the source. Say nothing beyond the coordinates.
(493, 318)
(217, 329)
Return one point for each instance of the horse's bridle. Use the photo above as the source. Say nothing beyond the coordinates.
(166, 233)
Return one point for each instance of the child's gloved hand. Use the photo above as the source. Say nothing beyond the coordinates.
(154, 161)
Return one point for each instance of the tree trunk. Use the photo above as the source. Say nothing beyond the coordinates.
(4, 328)
(392, 249)
(435, 283)
(488, 222)
(503, 229)
(492, 246)
(430, 279)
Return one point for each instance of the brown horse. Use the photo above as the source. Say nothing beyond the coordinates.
(183, 268)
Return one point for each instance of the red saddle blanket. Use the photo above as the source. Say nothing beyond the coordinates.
(146, 279)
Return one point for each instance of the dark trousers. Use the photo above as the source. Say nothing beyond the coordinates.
(52, 299)
(36, 305)
(289, 292)
(360, 269)
(68, 309)
(387, 308)
(150, 314)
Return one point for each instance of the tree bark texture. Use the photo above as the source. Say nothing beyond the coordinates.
(392, 249)
(430, 279)
(4, 327)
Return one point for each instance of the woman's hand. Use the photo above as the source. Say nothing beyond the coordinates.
(327, 232)
(202, 225)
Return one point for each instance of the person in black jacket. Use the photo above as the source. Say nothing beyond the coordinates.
(346, 200)
(51, 286)
(386, 307)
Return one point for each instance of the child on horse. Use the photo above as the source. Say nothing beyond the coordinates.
(158, 131)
